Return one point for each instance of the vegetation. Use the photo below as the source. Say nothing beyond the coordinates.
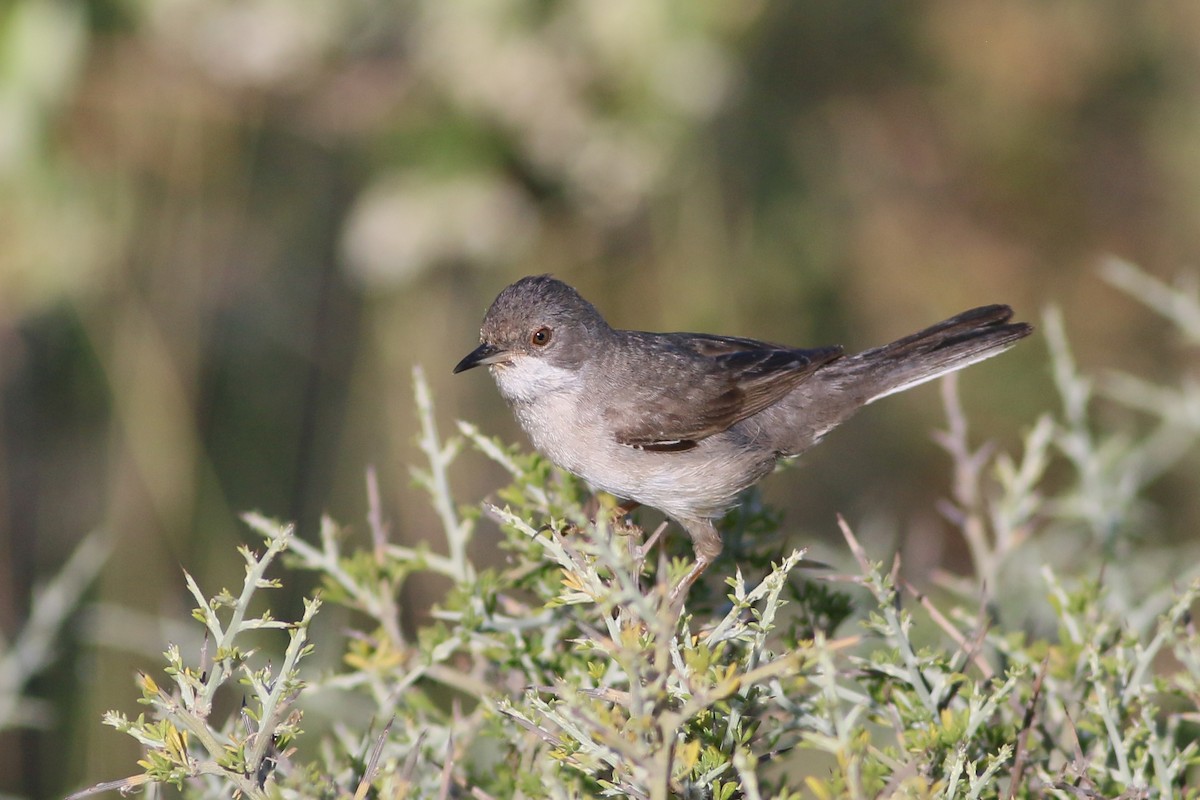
(1059, 667)
(229, 229)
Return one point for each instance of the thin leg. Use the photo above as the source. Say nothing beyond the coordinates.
(707, 543)
(650, 542)
(627, 507)
(592, 507)
(680, 592)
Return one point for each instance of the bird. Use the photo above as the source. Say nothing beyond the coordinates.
(685, 422)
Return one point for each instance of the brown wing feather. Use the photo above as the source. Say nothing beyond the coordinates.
(721, 381)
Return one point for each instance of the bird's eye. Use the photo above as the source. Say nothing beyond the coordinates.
(540, 337)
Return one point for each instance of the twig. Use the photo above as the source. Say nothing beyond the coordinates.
(1026, 724)
(33, 647)
(458, 532)
(372, 767)
(970, 649)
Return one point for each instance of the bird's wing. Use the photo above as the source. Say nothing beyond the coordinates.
(708, 383)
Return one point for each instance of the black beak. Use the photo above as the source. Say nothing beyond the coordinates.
(484, 354)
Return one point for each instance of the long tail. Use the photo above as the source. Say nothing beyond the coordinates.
(841, 387)
(958, 342)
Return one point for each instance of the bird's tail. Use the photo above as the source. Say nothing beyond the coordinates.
(840, 388)
(958, 342)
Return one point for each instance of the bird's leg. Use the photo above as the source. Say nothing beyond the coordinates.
(591, 508)
(653, 539)
(638, 550)
(627, 507)
(679, 593)
(707, 544)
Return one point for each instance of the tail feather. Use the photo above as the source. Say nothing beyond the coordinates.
(840, 388)
(958, 342)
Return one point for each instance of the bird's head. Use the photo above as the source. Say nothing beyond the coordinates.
(537, 334)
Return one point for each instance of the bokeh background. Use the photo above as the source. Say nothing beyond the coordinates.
(230, 228)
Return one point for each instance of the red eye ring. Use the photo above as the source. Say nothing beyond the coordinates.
(540, 337)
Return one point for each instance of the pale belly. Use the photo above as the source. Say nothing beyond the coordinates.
(701, 483)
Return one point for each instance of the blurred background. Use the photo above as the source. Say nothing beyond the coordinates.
(230, 228)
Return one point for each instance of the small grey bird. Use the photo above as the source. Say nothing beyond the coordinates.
(683, 422)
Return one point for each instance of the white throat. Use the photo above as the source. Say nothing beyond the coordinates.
(525, 379)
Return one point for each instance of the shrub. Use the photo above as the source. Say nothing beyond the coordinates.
(1061, 668)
